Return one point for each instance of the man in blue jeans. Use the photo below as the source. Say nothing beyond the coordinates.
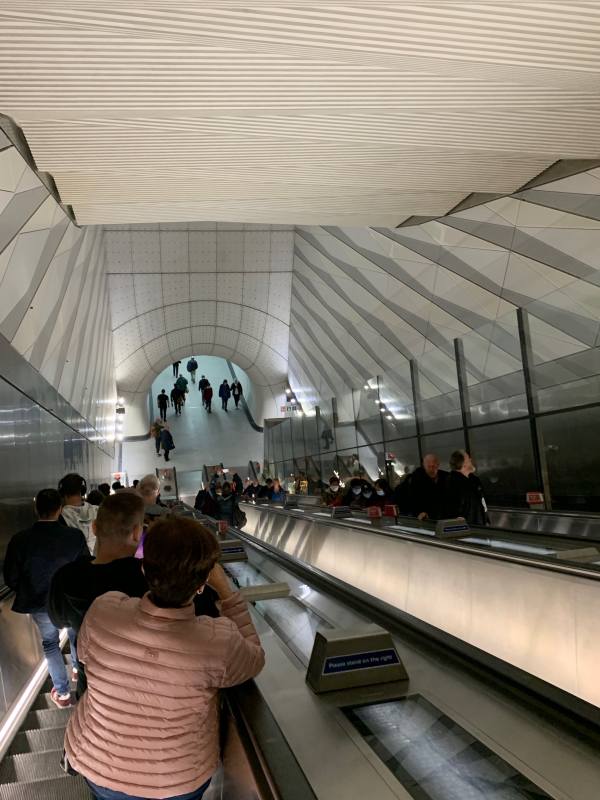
(32, 558)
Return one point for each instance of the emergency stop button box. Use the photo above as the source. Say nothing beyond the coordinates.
(351, 657)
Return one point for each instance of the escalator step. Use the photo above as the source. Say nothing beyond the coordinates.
(38, 740)
(30, 767)
(65, 788)
(46, 718)
(43, 701)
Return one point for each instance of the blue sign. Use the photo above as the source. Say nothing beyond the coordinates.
(334, 665)
(232, 550)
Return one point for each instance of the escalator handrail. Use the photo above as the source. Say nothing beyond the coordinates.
(538, 562)
(272, 761)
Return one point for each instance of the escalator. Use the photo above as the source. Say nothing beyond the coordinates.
(453, 731)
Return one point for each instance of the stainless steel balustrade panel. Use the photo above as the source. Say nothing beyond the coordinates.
(543, 622)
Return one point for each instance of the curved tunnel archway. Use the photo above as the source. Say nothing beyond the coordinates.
(210, 289)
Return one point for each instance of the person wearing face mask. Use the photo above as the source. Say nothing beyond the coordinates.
(332, 495)
(463, 492)
(353, 496)
(382, 494)
(368, 495)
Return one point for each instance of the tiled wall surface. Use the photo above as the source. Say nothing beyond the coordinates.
(205, 288)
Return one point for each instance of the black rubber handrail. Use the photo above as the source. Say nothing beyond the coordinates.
(247, 411)
(538, 562)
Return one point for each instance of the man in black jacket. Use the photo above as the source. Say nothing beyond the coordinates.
(463, 492)
(425, 489)
(119, 529)
(32, 558)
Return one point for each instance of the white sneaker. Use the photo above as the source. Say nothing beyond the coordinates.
(60, 700)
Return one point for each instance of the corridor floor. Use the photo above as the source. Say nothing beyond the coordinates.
(200, 438)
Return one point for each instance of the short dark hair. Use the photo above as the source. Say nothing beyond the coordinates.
(179, 554)
(95, 497)
(268, 481)
(135, 483)
(457, 459)
(105, 489)
(356, 482)
(72, 484)
(119, 514)
(117, 485)
(47, 503)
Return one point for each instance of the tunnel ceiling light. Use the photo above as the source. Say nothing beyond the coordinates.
(121, 401)
(389, 416)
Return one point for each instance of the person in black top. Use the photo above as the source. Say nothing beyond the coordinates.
(236, 391)
(267, 489)
(162, 402)
(119, 529)
(425, 489)
(202, 384)
(252, 490)
(463, 492)
(176, 368)
(32, 558)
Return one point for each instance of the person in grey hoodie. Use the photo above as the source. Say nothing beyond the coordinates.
(76, 512)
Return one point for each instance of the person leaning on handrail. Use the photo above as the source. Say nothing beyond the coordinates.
(148, 724)
(332, 495)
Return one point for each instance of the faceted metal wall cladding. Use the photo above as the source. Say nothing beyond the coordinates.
(57, 387)
(373, 301)
(54, 307)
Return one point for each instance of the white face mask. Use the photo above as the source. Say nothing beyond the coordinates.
(356, 490)
(380, 492)
(333, 487)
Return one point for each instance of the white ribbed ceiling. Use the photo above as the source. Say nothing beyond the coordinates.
(305, 113)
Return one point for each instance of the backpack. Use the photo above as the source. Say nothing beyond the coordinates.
(239, 517)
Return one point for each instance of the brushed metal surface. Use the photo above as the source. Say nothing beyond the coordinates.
(544, 622)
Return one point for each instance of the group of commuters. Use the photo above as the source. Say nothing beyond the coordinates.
(163, 438)
(428, 493)
(153, 639)
(226, 391)
(220, 498)
(180, 389)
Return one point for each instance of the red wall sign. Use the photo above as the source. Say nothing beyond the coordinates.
(535, 498)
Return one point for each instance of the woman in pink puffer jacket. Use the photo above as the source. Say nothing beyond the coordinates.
(147, 727)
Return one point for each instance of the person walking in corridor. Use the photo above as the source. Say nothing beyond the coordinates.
(155, 431)
(166, 441)
(224, 394)
(192, 366)
(207, 396)
(176, 400)
(236, 391)
(176, 368)
(163, 402)
(202, 384)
